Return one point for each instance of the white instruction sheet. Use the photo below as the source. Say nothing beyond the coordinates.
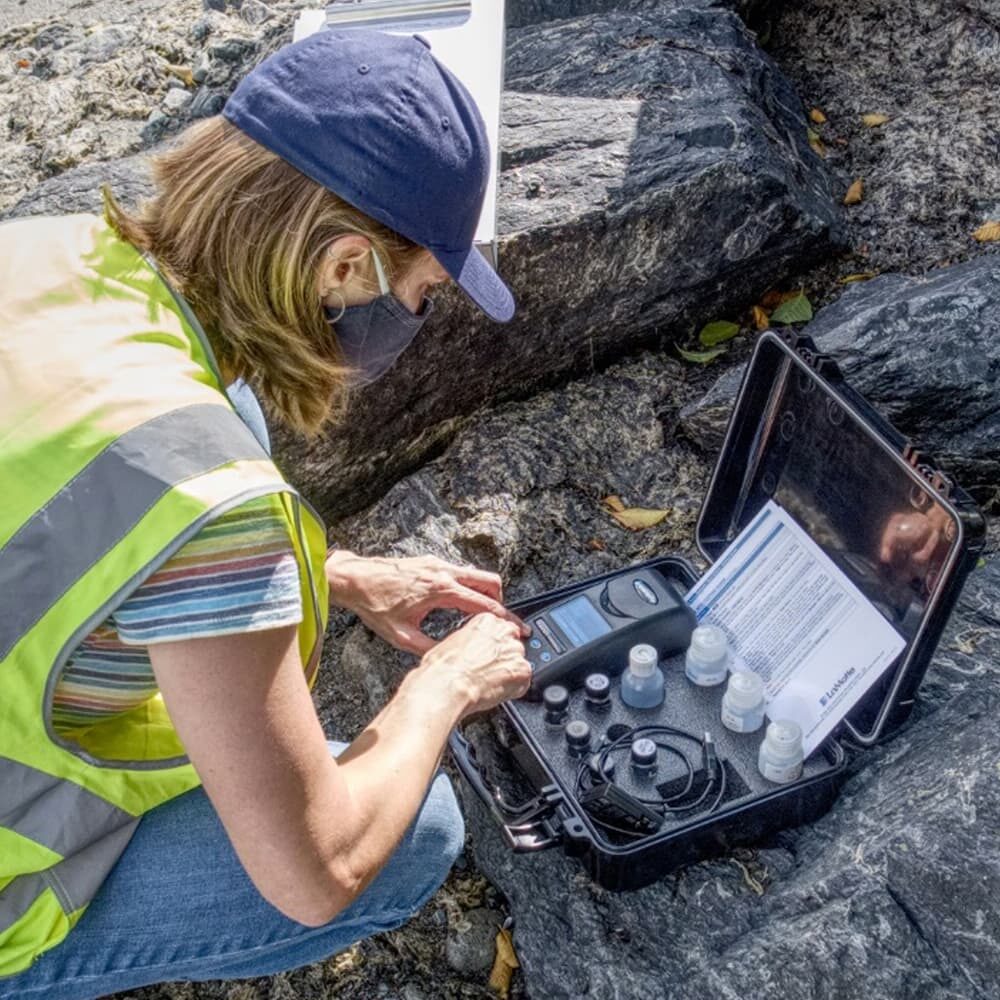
(794, 618)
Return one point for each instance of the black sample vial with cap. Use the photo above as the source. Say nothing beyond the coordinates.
(643, 754)
(578, 737)
(597, 691)
(555, 698)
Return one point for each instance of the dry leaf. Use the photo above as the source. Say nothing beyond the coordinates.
(860, 276)
(614, 502)
(774, 298)
(183, 73)
(637, 518)
(817, 116)
(855, 193)
(23, 64)
(988, 232)
(760, 320)
(872, 121)
(596, 545)
(504, 964)
(816, 142)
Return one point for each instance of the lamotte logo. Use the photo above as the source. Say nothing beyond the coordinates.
(838, 684)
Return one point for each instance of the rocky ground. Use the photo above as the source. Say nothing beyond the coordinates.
(657, 174)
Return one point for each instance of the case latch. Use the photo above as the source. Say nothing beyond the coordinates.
(532, 826)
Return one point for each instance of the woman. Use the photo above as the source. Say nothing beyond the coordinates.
(171, 808)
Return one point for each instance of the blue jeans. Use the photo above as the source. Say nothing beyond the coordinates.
(179, 906)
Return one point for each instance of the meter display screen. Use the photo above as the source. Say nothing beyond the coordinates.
(579, 621)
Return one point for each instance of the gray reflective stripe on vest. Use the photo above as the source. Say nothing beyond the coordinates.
(17, 897)
(74, 881)
(58, 814)
(91, 514)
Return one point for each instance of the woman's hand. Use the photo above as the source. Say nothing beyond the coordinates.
(484, 660)
(393, 596)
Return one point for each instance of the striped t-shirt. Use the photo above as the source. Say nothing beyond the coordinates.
(237, 574)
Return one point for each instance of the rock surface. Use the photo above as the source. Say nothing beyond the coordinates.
(654, 151)
(925, 350)
(932, 173)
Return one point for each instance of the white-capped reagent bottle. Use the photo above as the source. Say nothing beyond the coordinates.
(780, 758)
(707, 661)
(642, 682)
(743, 702)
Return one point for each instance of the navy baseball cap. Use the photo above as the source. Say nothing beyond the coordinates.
(376, 119)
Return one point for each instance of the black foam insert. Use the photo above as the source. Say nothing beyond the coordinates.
(686, 706)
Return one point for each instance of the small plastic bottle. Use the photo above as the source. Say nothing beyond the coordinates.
(780, 758)
(743, 702)
(707, 661)
(642, 682)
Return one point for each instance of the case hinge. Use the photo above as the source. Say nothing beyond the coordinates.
(927, 467)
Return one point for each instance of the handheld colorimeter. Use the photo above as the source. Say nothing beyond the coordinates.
(594, 629)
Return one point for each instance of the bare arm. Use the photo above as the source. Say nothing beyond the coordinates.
(310, 830)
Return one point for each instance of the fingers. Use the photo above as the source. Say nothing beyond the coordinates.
(464, 599)
(479, 579)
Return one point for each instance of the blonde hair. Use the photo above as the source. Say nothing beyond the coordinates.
(240, 233)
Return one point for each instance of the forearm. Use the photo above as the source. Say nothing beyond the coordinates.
(386, 772)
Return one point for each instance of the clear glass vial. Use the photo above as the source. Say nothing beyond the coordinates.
(743, 702)
(642, 682)
(707, 661)
(780, 758)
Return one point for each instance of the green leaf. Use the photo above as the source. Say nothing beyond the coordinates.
(797, 310)
(717, 333)
(701, 357)
(981, 564)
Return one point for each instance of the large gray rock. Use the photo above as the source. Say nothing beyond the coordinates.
(522, 12)
(932, 173)
(655, 176)
(925, 350)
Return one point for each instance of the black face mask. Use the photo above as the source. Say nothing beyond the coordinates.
(374, 335)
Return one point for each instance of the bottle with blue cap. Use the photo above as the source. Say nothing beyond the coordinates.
(642, 682)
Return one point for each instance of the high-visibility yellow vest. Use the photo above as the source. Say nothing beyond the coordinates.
(117, 443)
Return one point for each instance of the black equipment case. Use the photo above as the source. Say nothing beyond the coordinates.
(799, 435)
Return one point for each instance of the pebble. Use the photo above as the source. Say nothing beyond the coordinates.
(206, 103)
(230, 50)
(200, 69)
(200, 30)
(156, 125)
(471, 943)
(175, 100)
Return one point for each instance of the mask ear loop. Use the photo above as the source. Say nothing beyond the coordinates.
(383, 284)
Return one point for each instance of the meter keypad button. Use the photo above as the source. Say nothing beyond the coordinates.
(543, 626)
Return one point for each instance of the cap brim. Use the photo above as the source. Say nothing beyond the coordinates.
(479, 281)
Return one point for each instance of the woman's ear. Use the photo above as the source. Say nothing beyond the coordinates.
(344, 271)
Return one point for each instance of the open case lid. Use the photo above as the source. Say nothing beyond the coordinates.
(899, 528)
